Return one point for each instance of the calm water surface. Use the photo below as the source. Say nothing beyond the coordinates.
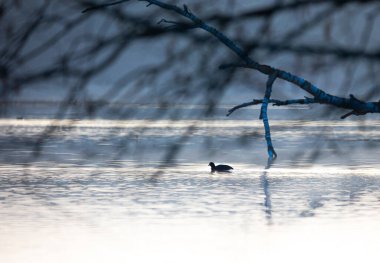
(94, 194)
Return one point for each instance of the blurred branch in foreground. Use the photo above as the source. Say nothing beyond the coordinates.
(101, 64)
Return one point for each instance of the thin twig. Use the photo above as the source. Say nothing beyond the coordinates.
(274, 102)
(94, 7)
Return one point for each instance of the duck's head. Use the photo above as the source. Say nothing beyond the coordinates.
(211, 164)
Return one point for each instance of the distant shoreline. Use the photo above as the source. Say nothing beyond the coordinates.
(137, 105)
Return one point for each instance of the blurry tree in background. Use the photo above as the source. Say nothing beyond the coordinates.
(98, 64)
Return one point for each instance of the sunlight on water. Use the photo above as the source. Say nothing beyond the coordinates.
(347, 130)
(297, 142)
(186, 213)
(85, 200)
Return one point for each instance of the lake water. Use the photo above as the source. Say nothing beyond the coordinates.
(98, 191)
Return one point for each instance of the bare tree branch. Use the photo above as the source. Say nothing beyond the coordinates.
(274, 102)
(264, 116)
(356, 106)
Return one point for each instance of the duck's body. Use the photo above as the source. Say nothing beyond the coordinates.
(220, 167)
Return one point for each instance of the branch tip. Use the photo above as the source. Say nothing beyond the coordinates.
(347, 115)
(94, 7)
(186, 9)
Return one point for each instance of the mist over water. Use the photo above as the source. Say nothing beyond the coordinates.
(94, 194)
